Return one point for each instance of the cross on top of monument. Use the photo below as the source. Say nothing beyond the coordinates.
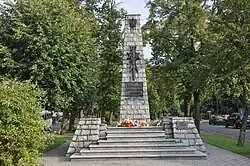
(133, 56)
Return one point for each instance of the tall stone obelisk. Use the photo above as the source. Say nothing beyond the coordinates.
(134, 95)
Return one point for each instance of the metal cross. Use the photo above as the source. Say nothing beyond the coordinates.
(133, 56)
(132, 23)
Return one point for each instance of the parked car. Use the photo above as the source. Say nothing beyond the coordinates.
(235, 121)
(47, 118)
(217, 120)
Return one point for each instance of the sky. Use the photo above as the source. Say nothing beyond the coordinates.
(137, 7)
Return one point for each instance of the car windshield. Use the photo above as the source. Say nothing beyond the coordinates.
(219, 117)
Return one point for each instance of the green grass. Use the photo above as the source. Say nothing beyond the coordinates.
(59, 140)
(227, 143)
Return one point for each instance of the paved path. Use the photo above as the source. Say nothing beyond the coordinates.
(230, 131)
(216, 157)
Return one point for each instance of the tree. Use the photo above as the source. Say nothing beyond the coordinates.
(230, 54)
(109, 40)
(51, 43)
(175, 29)
(21, 128)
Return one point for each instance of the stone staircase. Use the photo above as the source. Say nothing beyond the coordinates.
(144, 142)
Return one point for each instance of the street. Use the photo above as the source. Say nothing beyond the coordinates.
(230, 131)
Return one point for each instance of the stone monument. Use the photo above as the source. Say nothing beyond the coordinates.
(134, 95)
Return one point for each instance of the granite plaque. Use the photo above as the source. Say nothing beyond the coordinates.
(133, 89)
(182, 125)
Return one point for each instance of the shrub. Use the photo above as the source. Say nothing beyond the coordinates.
(21, 129)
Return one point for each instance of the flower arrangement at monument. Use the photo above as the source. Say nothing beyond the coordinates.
(131, 123)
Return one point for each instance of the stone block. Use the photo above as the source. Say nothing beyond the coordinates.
(93, 137)
(71, 150)
(95, 127)
(80, 144)
(190, 136)
(73, 144)
(202, 148)
(94, 132)
(191, 126)
(191, 142)
(168, 131)
(179, 136)
(198, 142)
(102, 134)
(197, 136)
(74, 138)
(82, 138)
(185, 141)
(88, 122)
(177, 131)
(87, 143)
(84, 127)
(194, 131)
(78, 132)
(85, 132)
(82, 122)
(78, 127)
(103, 127)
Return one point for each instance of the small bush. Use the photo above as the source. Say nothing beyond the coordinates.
(21, 129)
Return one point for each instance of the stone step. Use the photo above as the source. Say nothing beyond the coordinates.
(138, 146)
(137, 142)
(149, 128)
(195, 155)
(85, 152)
(136, 137)
(138, 133)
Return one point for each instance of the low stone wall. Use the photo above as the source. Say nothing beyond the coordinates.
(103, 130)
(185, 130)
(87, 132)
(168, 127)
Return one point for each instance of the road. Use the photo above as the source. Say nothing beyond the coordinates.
(222, 130)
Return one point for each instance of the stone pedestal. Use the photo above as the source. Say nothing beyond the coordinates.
(134, 96)
(87, 132)
(183, 129)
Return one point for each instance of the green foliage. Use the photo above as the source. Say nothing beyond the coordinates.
(21, 128)
(50, 43)
(109, 41)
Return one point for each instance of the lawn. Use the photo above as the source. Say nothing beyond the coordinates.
(226, 142)
(59, 140)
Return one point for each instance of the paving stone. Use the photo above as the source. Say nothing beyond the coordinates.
(216, 157)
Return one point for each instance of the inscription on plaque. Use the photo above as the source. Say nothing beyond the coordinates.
(182, 125)
(133, 89)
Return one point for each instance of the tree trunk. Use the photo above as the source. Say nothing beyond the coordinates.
(242, 134)
(187, 100)
(197, 109)
(64, 122)
(217, 105)
(110, 116)
(73, 116)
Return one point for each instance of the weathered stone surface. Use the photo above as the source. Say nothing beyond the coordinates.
(78, 132)
(94, 132)
(94, 127)
(190, 135)
(182, 125)
(135, 108)
(87, 132)
(93, 137)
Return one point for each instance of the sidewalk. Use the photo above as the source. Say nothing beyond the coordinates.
(216, 157)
